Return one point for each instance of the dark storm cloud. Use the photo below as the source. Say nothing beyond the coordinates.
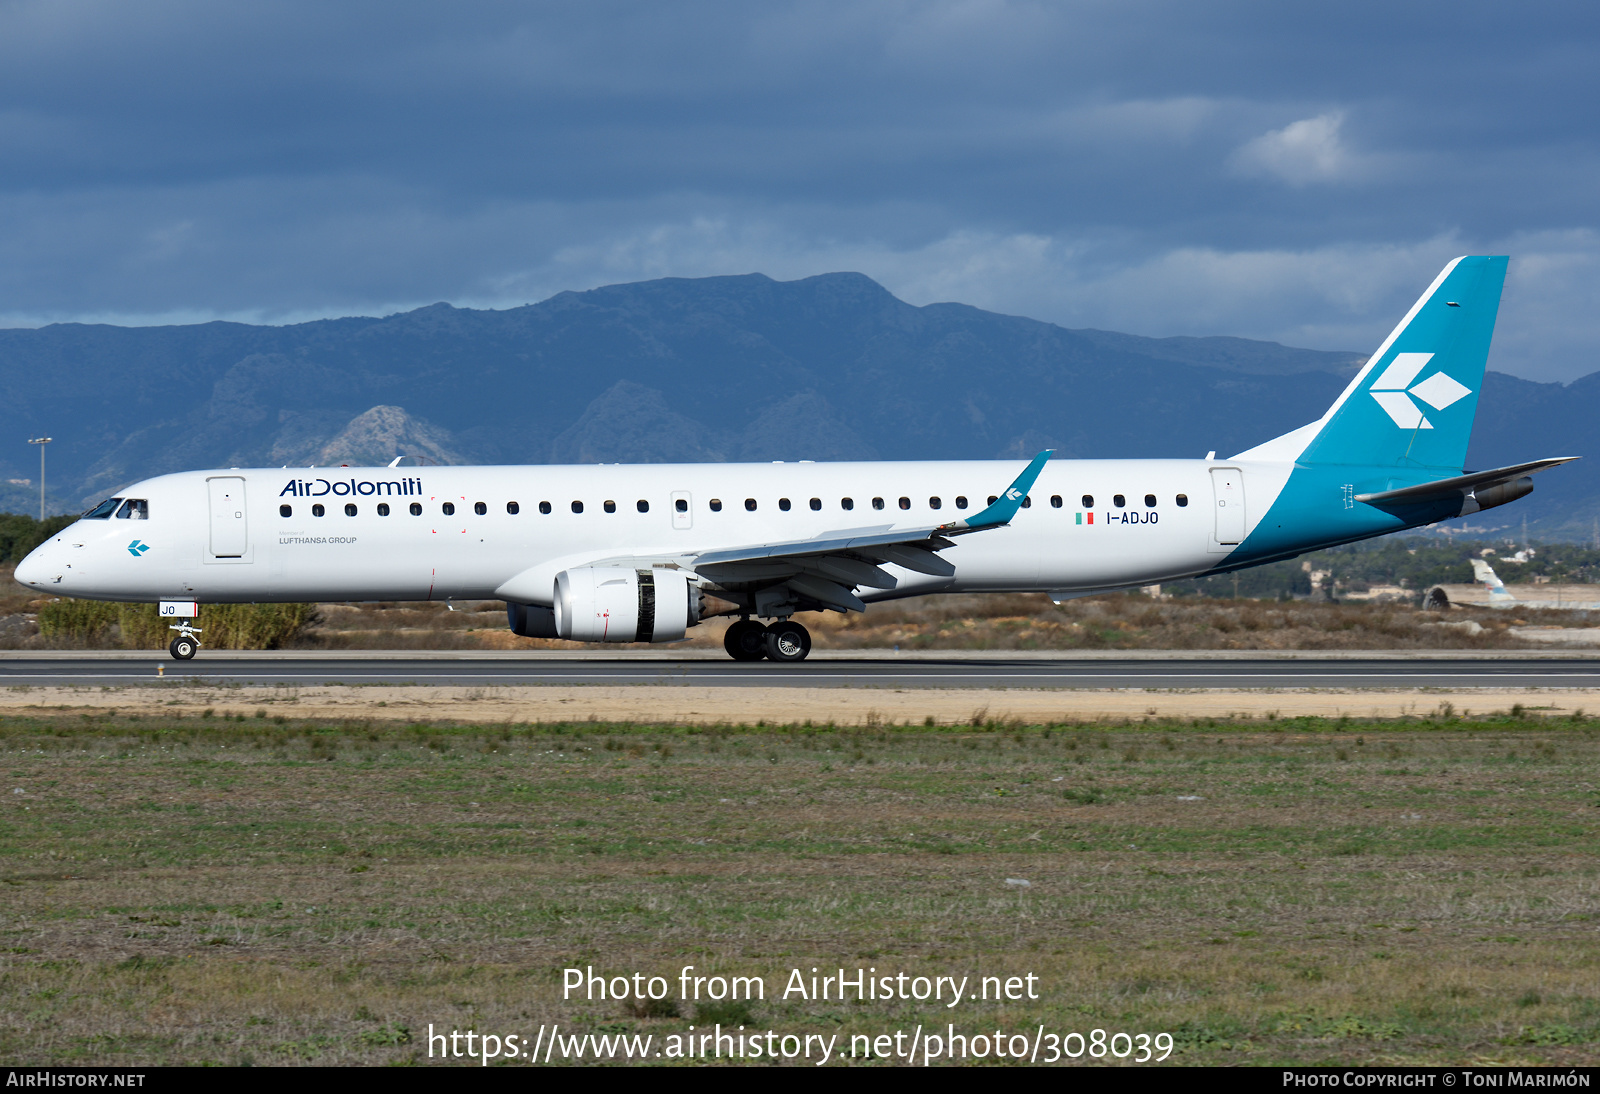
(1264, 169)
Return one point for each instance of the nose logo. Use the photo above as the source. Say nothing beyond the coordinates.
(136, 548)
(1394, 393)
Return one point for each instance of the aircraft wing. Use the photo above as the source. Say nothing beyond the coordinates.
(1462, 485)
(827, 569)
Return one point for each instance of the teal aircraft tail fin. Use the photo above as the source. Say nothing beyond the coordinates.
(1413, 402)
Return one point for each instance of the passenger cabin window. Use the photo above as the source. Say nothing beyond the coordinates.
(644, 506)
(681, 505)
(577, 507)
(104, 510)
(1118, 500)
(716, 505)
(1149, 501)
(286, 510)
(449, 508)
(1183, 500)
(544, 507)
(961, 501)
(349, 509)
(905, 503)
(610, 506)
(749, 505)
(1055, 501)
(416, 508)
(783, 503)
(513, 508)
(816, 505)
(317, 510)
(934, 503)
(1027, 502)
(479, 508)
(993, 499)
(877, 503)
(383, 508)
(1088, 501)
(847, 503)
(134, 509)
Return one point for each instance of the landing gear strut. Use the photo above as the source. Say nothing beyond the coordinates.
(184, 643)
(748, 640)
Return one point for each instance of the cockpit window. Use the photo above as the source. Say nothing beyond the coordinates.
(103, 511)
(134, 509)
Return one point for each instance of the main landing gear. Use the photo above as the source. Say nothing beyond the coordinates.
(785, 640)
(184, 643)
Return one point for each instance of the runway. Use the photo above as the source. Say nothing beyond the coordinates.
(857, 670)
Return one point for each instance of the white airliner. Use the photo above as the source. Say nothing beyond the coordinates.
(626, 553)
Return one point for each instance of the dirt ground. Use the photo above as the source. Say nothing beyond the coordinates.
(690, 705)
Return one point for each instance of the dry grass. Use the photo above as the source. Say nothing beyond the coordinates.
(1007, 622)
(182, 890)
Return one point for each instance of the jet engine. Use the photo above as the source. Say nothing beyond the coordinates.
(613, 604)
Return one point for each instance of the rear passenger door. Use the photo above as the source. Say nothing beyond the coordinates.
(1227, 494)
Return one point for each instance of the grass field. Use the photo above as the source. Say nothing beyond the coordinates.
(179, 890)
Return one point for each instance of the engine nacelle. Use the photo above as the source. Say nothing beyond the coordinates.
(613, 604)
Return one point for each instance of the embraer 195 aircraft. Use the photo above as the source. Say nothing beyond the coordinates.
(636, 553)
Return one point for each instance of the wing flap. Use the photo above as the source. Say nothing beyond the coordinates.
(911, 557)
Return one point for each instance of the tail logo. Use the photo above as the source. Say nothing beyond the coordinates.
(1394, 393)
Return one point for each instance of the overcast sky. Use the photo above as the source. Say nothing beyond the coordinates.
(1295, 172)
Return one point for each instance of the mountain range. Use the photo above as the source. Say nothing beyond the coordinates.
(832, 367)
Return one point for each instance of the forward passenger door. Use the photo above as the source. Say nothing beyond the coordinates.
(230, 531)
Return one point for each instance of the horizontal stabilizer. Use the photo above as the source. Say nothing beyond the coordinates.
(1461, 485)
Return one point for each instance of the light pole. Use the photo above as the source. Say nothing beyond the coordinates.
(41, 442)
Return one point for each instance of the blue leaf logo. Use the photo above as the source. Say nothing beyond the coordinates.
(136, 548)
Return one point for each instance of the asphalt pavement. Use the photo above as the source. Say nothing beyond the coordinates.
(862, 669)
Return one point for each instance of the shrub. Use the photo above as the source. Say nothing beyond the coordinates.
(223, 626)
(81, 620)
(20, 534)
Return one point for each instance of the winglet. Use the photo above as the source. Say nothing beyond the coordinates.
(1006, 505)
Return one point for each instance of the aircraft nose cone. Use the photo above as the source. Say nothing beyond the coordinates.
(33, 570)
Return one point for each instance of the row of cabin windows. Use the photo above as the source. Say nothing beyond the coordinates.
(680, 504)
(1121, 502)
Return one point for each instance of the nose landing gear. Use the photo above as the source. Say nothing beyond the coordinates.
(184, 643)
(747, 640)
